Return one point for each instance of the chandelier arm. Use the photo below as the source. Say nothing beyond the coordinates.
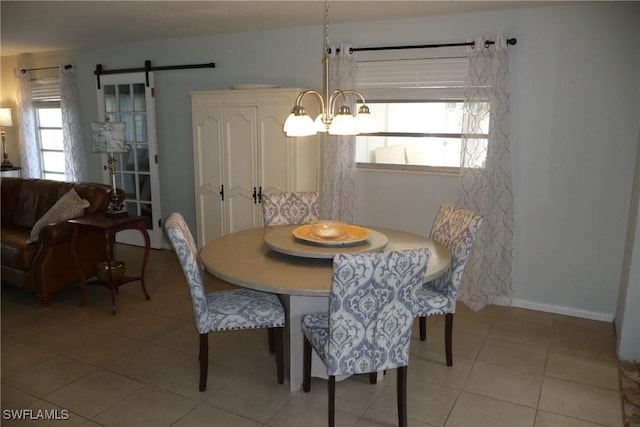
(354, 92)
(337, 93)
(314, 92)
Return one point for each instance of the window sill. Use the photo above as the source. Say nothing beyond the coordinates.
(426, 170)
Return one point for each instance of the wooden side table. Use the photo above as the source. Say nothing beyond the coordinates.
(110, 226)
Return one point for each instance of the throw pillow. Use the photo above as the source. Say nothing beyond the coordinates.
(69, 206)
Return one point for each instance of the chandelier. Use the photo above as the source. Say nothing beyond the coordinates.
(340, 122)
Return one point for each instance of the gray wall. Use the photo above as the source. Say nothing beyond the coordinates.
(575, 109)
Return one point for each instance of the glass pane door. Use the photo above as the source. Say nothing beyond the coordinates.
(126, 98)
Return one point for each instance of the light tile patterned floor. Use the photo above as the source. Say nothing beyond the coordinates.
(512, 367)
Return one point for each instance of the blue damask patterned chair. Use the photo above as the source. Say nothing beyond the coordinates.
(224, 310)
(368, 326)
(290, 208)
(456, 229)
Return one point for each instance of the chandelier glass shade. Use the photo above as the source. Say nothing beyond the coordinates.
(335, 116)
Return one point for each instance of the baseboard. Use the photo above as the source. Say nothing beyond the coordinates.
(567, 311)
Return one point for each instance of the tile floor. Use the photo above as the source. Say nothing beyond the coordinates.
(512, 367)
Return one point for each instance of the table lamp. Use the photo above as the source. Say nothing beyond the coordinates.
(5, 120)
(108, 137)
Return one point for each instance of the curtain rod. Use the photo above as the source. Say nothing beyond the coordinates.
(147, 69)
(512, 41)
(24, 70)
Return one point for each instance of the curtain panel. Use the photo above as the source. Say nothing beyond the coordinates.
(485, 183)
(74, 149)
(29, 153)
(338, 199)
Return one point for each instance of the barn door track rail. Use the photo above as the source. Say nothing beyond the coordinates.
(147, 69)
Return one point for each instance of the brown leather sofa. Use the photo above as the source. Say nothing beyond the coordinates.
(46, 266)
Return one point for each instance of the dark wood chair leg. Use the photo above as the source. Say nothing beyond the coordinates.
(423, 328)
(204, 360)
(279, 349)
(332, 400)
(306, 366)
(373, 377)
(448, 331)
(44, 300)
(272, 341)
(402, 396)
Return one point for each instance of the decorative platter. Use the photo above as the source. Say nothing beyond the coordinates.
(353, 235)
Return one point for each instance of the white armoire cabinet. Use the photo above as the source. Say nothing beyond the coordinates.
(240, 153)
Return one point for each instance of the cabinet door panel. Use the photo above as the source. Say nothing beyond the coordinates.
(273, 170)
(240, 164)
(207, 153)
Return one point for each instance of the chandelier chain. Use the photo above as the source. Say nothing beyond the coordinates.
(326, 27)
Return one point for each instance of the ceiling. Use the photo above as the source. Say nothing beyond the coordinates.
(40, 26)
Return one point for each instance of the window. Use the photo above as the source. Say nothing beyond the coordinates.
(48, 123)
(419, 109)
(49, 137)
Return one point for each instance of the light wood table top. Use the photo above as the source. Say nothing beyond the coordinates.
(245, 259)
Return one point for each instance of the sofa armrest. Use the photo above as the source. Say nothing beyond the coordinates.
(52, 234)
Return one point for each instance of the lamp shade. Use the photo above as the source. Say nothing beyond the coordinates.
(319, 124)
(366, 123)
(343, 124)
(108, 137)
(299, 125)
(5, 117)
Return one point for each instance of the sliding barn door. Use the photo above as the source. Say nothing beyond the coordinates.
(127, 98)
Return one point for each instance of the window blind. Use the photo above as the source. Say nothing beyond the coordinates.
(412, 79)
(45, 90)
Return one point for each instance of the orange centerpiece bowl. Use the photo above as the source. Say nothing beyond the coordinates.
(329, 229)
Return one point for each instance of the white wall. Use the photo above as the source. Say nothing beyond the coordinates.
(574, 124)
(627, 314)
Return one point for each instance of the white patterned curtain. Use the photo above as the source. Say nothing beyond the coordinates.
(74, 149)
(485, 176)
(64, 88)
(29, 154)
(338, 200)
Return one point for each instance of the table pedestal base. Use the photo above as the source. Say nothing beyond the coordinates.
(296, 306)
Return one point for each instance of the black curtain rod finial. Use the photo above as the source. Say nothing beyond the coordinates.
(510, 42)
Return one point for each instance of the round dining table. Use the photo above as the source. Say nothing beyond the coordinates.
(273, 259)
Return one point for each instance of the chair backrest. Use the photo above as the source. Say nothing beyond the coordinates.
(290, 208)
(371, 309)
(185, 247)
(455, 228)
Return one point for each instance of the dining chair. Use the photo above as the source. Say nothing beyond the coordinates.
(224, 310)
(367, 328)
(290, 208)
(456, 229)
